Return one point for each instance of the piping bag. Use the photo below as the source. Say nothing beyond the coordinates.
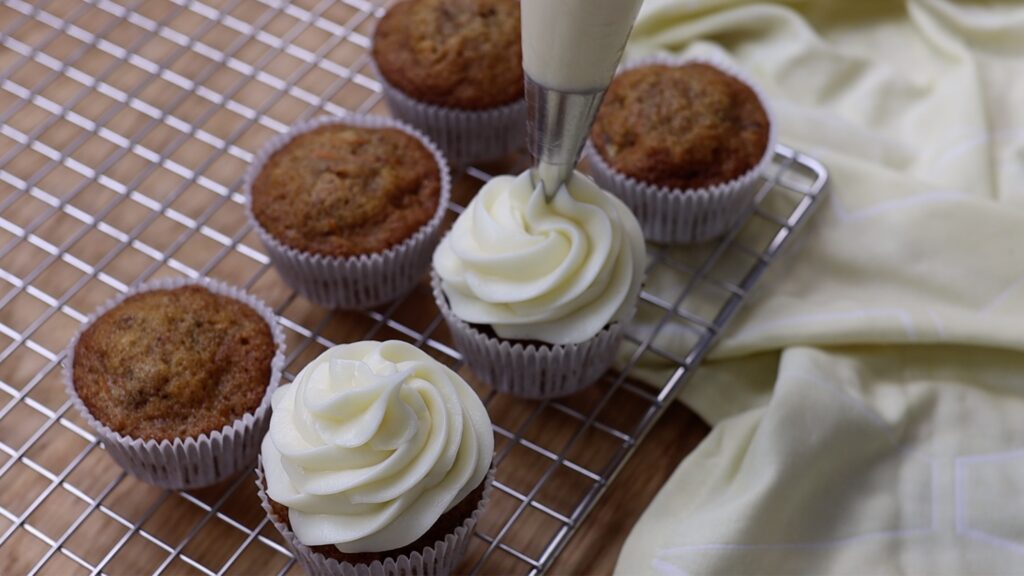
(571, 49)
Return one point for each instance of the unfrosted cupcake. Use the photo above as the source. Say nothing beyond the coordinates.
(682, 143)
(176, 379)
(377, 461)
(536, 294)
(454, 69)
(349, 208)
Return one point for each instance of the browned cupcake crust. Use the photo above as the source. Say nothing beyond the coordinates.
(173, 363)
(681, 127)
(444, 526)
(454, 53)
(344, 191)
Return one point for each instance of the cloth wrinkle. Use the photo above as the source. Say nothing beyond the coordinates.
(866, 401)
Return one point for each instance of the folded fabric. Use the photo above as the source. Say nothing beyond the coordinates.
(868, 402)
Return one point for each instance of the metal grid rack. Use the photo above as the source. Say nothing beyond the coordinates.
(124, 129)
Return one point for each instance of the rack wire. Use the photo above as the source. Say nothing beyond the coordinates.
(124, 130)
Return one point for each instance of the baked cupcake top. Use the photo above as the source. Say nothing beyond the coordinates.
(344, 191)
(682, 127)
(556, 272)
(371, 444)
(175, 363)
(453, 53)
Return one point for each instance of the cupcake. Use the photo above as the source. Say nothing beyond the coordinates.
(682, 143)
(377, 461)
(535, 293)
(176, 378)
(349, 208)
(454, 69)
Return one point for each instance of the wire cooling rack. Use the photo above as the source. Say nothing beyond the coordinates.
(124, 130)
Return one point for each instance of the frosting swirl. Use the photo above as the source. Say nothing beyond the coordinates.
(371, 444)
(558, 272)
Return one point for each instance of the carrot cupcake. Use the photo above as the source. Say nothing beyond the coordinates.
(377, 462)
(349, 208)
(682, 143)
(176, 378)
(454, 69)
(537, 293)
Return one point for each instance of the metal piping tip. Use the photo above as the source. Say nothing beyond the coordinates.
(551, 178)
(558, 124)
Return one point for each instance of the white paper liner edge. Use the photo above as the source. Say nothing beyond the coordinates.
(675, 215)
(466, 136)
(191, 462)
(437, 560)
(529, 371)
(357, 282)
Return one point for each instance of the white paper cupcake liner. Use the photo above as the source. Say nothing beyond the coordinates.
(676, 215)
(191, 462)
(437, 560)
(356, 282)
(529, 371)
(466, 136)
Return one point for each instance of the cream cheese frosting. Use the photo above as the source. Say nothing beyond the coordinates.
(371, 444)
(556, 272)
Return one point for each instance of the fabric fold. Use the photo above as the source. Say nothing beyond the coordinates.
(866, 401)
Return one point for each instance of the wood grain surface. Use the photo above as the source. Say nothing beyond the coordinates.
(156, 157)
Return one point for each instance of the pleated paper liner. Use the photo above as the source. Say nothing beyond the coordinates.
(356, 282)
(466, 136)
(681, 216)
(530, 371)
(439, 559)
(191, 462)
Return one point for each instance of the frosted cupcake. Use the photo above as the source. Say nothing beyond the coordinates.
(349, 208)
(377, 462)
(176, 379)
(454, 69)
(536, 294)
(682, 142)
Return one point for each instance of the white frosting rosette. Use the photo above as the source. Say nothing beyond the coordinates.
(555, 281)
(370, 445)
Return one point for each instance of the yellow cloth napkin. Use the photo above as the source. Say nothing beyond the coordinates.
(868, 403)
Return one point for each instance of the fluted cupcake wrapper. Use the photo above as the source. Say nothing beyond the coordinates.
(191, 462)
(466, 136)
(437, 560)
(529, 371)
(355, 282)
(678, 215)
